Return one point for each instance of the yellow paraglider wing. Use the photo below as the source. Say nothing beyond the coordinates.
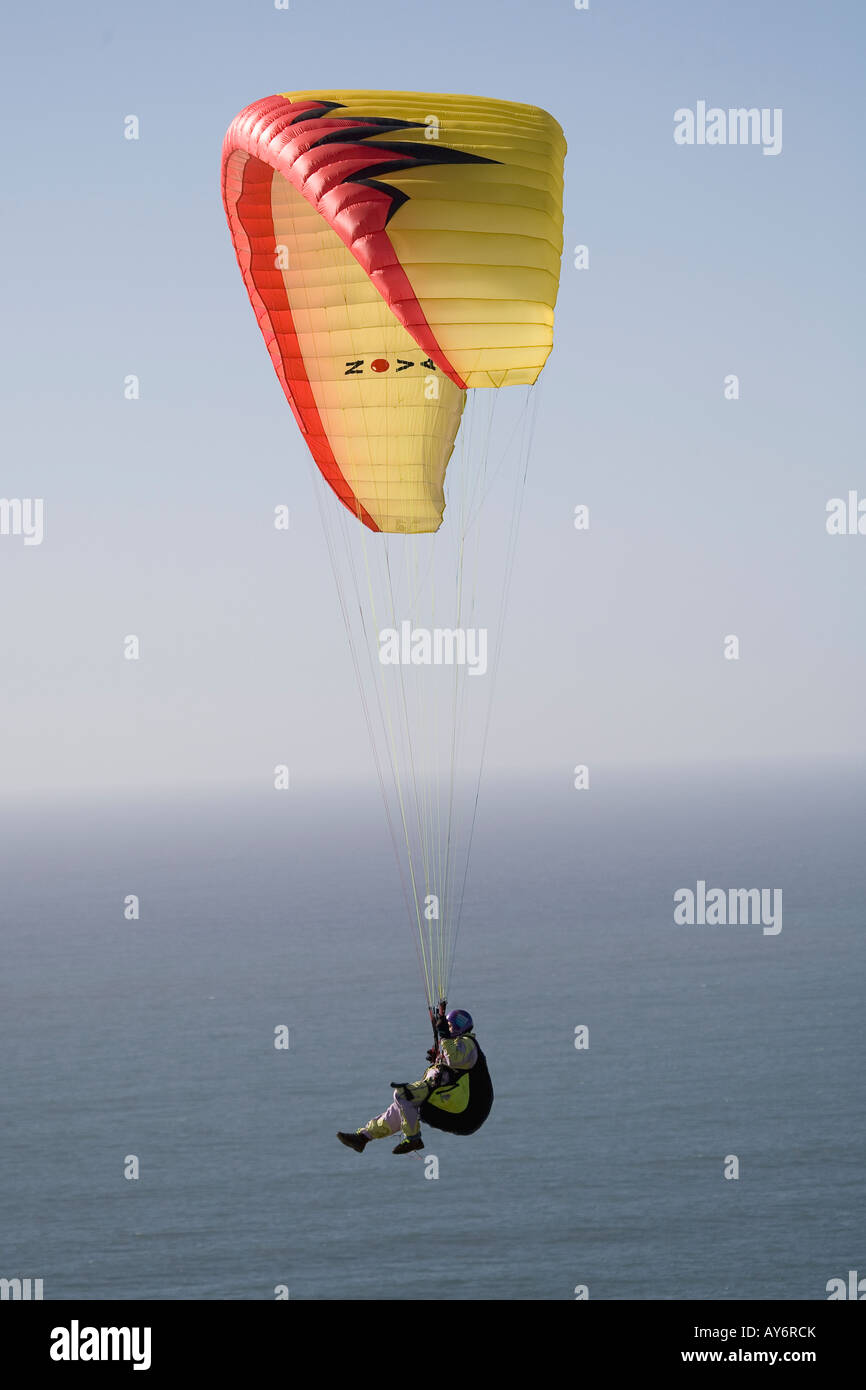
(397, 249)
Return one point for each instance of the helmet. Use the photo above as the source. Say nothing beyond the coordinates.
(461, 1022)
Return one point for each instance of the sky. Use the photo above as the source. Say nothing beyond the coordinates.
(707, 515)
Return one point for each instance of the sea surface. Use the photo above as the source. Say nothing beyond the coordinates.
(601, 1167)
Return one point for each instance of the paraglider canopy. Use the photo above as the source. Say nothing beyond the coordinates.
(398, 248)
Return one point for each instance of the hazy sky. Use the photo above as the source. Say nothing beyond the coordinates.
(708, 516)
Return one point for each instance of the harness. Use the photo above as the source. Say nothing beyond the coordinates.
(462, 1104)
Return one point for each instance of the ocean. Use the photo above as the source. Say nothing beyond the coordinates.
(602, 1167)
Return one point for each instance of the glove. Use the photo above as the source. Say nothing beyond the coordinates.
(432, 1054)
(402, 1088)
(443, 1027)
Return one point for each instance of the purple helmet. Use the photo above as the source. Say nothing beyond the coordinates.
(461, 1022)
